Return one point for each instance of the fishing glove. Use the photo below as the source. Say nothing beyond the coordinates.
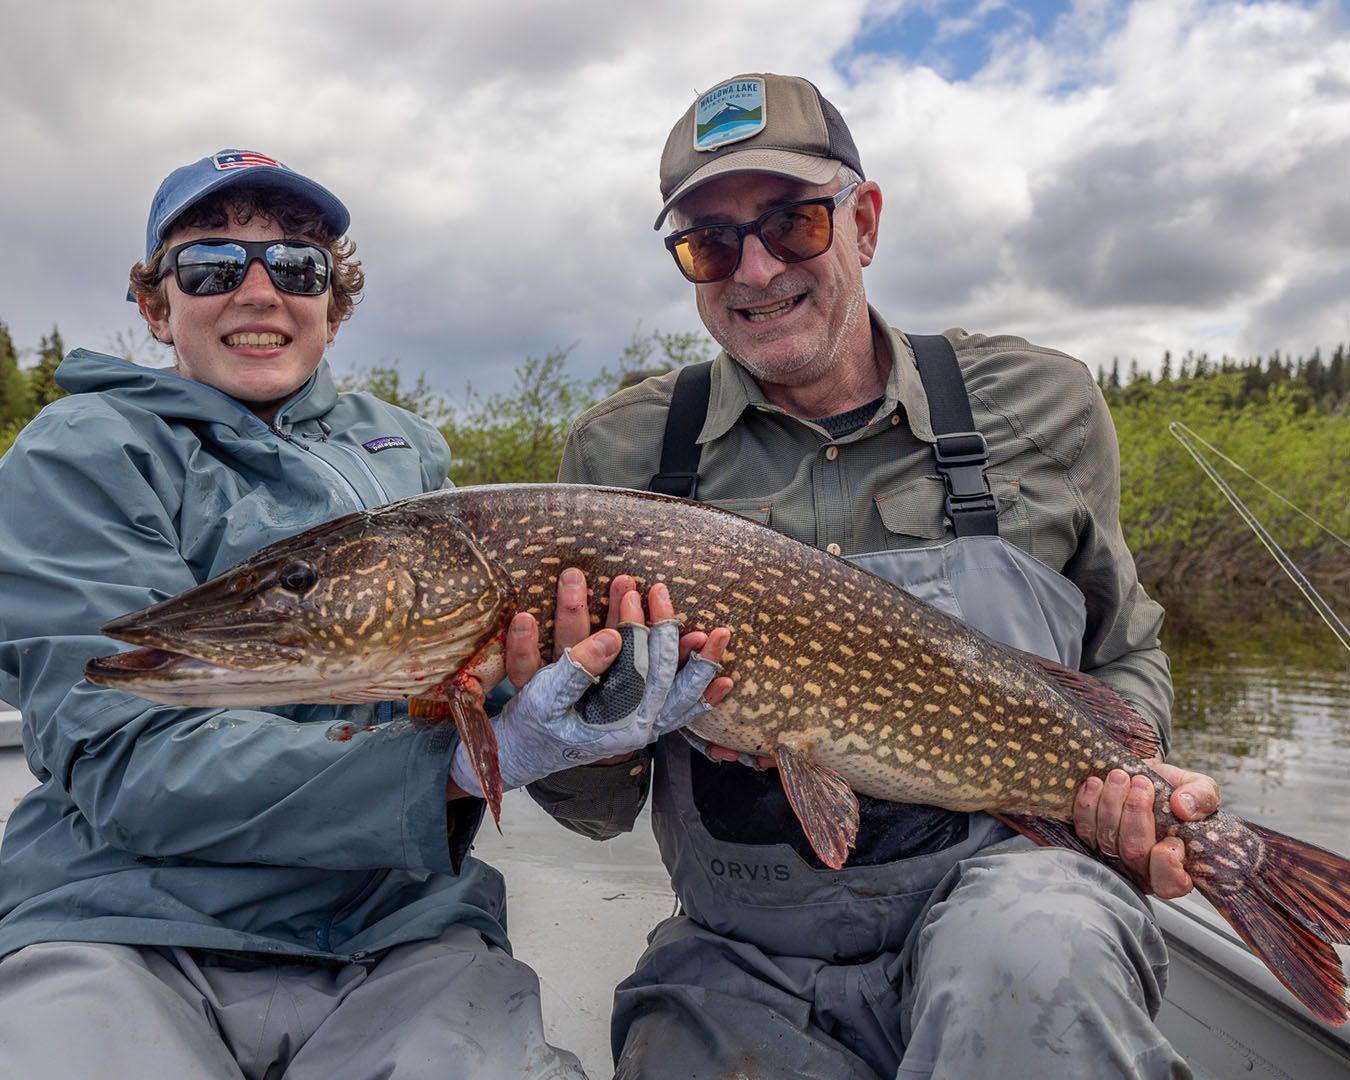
(565, 716)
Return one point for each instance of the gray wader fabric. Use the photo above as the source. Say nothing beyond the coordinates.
(451, 1009)
(988, 958)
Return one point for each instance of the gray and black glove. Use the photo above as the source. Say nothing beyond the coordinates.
(565, 716)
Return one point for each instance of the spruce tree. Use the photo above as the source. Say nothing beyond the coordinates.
(42, 379)
(16, 402)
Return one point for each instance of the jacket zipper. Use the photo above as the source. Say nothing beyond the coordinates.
(383, 709)
(364, 466)
(276, 430)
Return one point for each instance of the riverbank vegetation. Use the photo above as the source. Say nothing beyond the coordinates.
(1285, 425)
(1284, 421)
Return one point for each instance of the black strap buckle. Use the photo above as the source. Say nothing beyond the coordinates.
(683, 485)
(961, 458)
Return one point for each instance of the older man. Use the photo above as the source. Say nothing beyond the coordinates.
(982, 474)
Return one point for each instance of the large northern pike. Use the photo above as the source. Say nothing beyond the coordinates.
(847, 681)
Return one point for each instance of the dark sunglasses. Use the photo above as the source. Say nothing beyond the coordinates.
(218, 265)
(792, 233)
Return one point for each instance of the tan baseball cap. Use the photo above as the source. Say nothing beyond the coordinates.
(755, 123)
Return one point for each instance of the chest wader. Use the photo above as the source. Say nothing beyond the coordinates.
(767, 894)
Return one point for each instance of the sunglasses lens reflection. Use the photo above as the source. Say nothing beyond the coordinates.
(795, 234)
(297, 269)
(709, 254)
(208, 269)
(792, 234)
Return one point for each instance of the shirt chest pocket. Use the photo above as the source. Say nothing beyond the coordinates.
(914, 514)
(760, 510)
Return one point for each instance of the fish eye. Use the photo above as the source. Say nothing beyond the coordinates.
(298, 577)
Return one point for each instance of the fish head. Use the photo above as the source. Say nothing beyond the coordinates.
(372, 606)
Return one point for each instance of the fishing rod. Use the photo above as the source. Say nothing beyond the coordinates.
(1185, 435)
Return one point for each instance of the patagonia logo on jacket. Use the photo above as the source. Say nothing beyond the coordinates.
(385, 442)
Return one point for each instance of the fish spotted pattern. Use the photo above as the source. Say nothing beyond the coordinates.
(848, 682)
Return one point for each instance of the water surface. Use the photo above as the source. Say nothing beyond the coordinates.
(1263, 705)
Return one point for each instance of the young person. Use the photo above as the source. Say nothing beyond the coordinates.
(196, 892)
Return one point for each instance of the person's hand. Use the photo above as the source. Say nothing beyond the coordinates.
(553, 722)
(571, 625)
(1115, 816)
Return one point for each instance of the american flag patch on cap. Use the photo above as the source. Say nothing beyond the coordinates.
(244, 159)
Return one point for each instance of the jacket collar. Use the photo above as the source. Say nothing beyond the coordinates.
(164, 393)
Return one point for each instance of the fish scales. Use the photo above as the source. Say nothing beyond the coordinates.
(905, 702)
(846, 681)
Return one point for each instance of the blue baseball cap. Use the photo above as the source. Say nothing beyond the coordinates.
(189, 185)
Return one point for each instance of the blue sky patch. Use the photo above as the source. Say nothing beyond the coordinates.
(956, 37)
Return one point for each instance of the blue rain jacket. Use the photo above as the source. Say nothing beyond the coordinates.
(243, 828)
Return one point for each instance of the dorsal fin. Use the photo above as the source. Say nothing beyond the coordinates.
(1120, 719)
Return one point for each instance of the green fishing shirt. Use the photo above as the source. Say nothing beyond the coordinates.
(1054, 469)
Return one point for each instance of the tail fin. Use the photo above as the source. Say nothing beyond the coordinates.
(1313, 884)
(1288, 908)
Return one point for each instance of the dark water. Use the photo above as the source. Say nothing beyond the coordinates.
(1263, 705)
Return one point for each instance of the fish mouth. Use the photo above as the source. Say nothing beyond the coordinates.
(175, 678)
(157, 663)
(253, 645)
(136, 661)
(129, 669)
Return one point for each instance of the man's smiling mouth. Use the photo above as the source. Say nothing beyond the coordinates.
(770, 311)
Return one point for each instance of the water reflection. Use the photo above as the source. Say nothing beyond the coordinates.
(1265, 709)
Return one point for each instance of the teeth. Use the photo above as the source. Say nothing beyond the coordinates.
(255, 340)
(759, 314)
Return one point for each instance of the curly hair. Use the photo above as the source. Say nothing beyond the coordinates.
(296, 218)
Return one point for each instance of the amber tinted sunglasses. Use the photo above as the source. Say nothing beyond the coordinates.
(792, 233)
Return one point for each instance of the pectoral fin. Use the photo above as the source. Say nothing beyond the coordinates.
(480, 740)
(433, 705)
(461, 700)
(823, 803)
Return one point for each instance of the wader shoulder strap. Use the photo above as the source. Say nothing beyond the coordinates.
(680, 451)
(960, 450)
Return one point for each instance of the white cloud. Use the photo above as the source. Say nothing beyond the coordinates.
(1159, 175)
(1162, 190)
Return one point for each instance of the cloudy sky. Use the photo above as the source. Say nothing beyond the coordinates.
(1110, 178)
